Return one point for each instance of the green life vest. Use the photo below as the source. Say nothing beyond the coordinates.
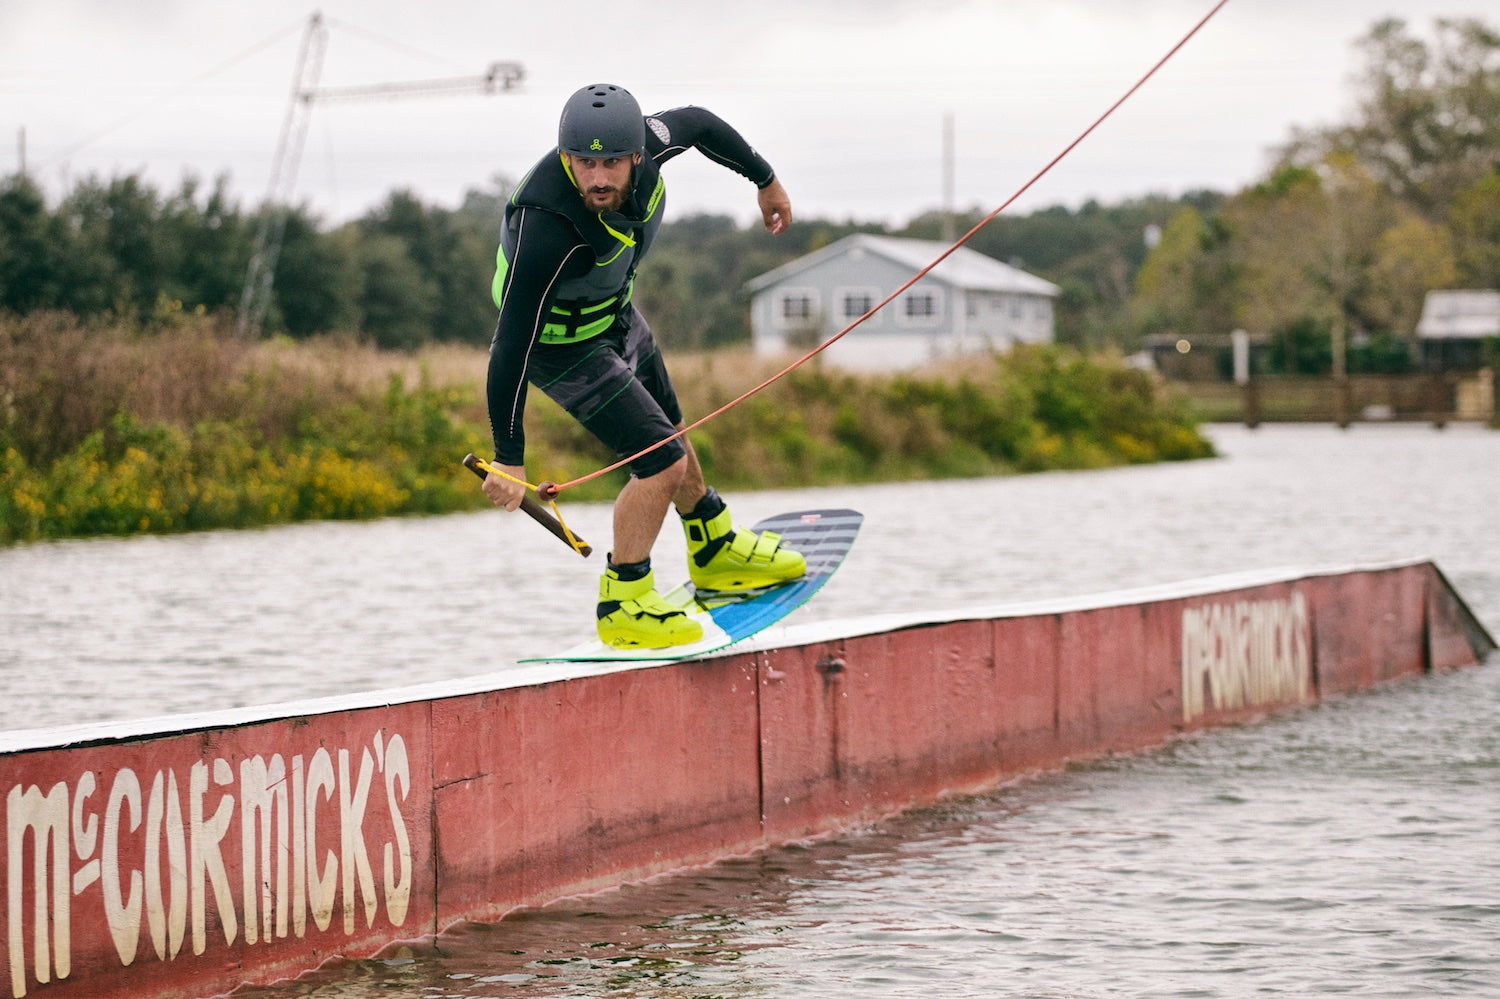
(584, 307)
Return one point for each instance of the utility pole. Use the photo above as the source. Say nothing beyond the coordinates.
(255, 299)
(948, 168)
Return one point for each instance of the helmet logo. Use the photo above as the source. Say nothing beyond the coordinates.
(596, 145)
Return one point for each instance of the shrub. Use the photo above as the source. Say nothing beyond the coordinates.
(108, 431)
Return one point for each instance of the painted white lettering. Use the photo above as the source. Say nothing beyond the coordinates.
(181, 886)
(299, 848)
(355, 857)
(85, 833)
(263, 798)
(206, 854)
(322, 882)
(45, 816)
(122, 912)
(166, 918)
(1246, 654)
(397, 768)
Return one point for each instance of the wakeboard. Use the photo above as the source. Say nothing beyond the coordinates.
(823, 537)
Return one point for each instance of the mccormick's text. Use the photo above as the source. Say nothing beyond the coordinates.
(1245, 654)
(197, 857)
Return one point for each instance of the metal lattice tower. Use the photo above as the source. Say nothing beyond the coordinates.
(255, 300)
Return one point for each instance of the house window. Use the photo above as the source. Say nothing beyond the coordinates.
(796, 307)
(921, 306)
(857, 303)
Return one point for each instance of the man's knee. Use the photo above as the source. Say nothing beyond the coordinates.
(671, 476)
(661, 461)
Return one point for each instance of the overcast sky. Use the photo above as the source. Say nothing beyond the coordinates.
(846, 98)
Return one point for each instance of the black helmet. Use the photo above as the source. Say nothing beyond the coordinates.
(600, 121)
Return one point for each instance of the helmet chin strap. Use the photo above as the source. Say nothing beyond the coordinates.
(568, 169)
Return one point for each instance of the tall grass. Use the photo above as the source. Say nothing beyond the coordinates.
(108, 430)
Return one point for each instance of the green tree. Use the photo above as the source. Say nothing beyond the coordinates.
(29, 264)
(1474, 221)
(1313, 250)
(453, 257)
(129, 213)
(90, 283)
(1283, 232)
(1187, 284)
(1428, 121)
(1094, 255)
(1411, 257)
(318, 281)
(205, 247)
(396, 299)
(688, 283)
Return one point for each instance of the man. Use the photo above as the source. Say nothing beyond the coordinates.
(575, 232)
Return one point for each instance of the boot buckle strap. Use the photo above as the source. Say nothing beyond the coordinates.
(751, 548)
(651, 604)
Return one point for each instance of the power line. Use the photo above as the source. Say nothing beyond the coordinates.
(392, 43)
(170, 95)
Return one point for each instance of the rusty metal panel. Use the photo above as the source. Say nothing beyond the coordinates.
(582, 783)
(921, 712)
(1398, 640)
(1118, 677)
(872, 725)
(1454, 636)
(802, 695)
(1367, 626)
(1025, 652)
(1100, 657)
(180, 865)
(1156, 711)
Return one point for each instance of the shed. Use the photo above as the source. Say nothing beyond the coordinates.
(968, 304)
(1454, 326)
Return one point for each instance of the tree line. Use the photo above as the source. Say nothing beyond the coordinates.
(1342, 238)
(409, 273)
(403, 275)
(1355, 222)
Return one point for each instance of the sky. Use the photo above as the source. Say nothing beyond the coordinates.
(850, 100)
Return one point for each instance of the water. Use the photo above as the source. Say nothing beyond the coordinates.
(1348, 849)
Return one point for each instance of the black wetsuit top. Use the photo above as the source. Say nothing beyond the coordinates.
(552, 243)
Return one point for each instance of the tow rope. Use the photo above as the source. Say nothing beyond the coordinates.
(550, 490)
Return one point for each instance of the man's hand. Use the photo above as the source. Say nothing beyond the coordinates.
(775, 207)
(502, 491)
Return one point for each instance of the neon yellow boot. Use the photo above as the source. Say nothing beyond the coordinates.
(632, 615)
(722, 557)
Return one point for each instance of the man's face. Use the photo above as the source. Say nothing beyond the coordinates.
(603, 183)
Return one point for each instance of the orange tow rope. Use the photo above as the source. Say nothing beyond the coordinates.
(550, 490)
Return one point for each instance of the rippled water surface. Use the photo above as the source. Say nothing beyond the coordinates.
(1352, 849)
(1348, 849)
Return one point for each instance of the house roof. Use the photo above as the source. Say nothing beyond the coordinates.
(1464, 315)
(964, 268)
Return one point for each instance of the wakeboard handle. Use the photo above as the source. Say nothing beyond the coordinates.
(538, 513)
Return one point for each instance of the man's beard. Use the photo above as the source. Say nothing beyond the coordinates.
(614, 199)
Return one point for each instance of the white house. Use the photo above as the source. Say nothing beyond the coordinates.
(968, 304)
